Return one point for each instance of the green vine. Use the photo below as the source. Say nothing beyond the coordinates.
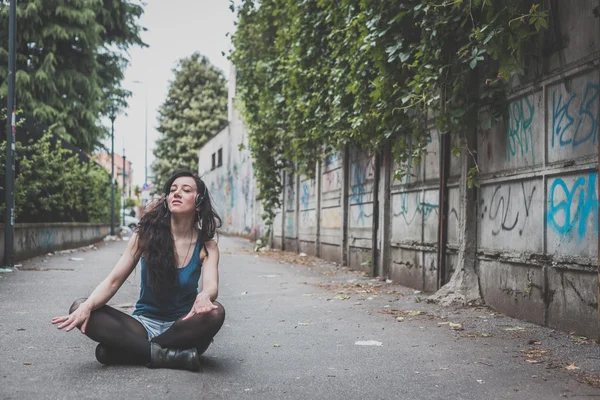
(315, 76)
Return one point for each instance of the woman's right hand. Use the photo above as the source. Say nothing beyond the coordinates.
(79, 317)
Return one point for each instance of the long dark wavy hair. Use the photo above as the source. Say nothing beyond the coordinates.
(155, 240)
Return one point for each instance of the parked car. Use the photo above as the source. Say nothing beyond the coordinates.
(130, 222)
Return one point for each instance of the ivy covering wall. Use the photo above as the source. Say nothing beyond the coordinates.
(315, 76)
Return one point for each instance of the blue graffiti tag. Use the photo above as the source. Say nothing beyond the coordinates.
(305, 198)
(422, 207)
(520, 131)
(562, 120)
(358, 191)
(583, 196)
(332, 159)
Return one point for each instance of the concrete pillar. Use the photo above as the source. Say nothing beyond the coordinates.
(318, 180)
(385, 213)
(345, 190)
(297, 209)
(284, 179)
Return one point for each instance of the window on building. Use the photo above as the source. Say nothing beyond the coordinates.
(220, 157)
(214, 164)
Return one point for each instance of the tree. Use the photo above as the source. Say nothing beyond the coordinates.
(194, 111)
(70, 60)
(55, 184)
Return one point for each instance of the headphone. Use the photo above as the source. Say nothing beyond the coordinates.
(200, 198)
(198, 201)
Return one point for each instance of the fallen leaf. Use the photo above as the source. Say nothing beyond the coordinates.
(571, 367)
(342, 297)
(514, 328)
(400, 319)
(26, 363)
(276, 345)
(456, 327)
(532, 353)
(532, 361)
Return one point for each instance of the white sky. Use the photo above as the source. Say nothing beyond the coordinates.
(176, 29)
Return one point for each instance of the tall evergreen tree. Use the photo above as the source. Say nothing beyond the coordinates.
(194, 111)
(70, 62)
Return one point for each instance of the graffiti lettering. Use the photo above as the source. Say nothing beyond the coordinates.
(578, 204)
(520, 131)
(361, 174)
(333, 180)
(500, 208)
(422, 207)
(584, 122)
(305, 197)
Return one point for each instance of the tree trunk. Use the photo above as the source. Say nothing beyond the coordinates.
(463, 287)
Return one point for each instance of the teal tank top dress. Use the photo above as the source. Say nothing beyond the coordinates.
(177, 304)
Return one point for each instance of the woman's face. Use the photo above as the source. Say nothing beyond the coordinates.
(182, 195)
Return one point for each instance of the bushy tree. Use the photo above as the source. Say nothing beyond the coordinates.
(194, 111)
(54, 184)
(70, 61)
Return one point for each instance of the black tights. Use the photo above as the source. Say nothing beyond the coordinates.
(125, 340)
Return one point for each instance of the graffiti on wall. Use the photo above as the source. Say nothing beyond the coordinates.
(332, 161)
(413, 204)
(361, 173)
(232, 192)
(332, 180)
(307, 206)
(306, 193)
(34, 239)
(508, 209)
(575, 117)
(520, 131)
(332, 173)
(573, 207)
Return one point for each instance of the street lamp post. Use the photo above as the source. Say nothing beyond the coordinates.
(112, 173)
(124, 192)
(9, 186)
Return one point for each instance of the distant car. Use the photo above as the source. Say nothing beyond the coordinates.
(130, 222)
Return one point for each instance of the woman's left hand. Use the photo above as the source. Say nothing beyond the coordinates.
(202, 305)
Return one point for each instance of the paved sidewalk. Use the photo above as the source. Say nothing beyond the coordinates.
(293, 331)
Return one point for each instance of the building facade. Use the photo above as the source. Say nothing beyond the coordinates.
(225, 164)
(124, 180)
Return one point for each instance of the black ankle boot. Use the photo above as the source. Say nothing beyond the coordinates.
(173, 358)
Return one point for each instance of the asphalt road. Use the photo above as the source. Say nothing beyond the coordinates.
(293, 330)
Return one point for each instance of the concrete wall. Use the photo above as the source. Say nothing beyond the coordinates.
(232, 186)
(538, 203)
(536, 219)
(32, 240)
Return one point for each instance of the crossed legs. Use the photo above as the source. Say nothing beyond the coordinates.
(125, 341)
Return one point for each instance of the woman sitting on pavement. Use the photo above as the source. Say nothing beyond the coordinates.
(173, 323)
